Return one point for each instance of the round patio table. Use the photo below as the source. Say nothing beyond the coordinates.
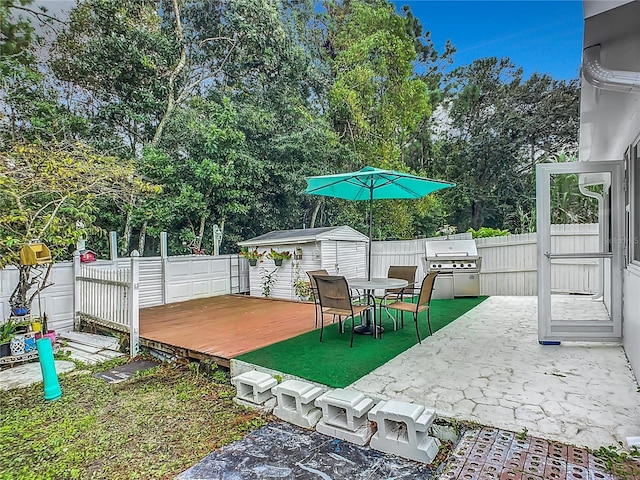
(369, 286)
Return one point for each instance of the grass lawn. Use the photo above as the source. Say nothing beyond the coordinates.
(333, 363)
(155, 425)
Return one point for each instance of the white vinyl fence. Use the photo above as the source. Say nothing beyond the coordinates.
(103, 290)
(509, 264)
(110, 292)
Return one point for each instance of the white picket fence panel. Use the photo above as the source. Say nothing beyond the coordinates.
(104, 295)
(109, 295)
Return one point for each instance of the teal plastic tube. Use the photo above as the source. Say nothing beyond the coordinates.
(47, 365)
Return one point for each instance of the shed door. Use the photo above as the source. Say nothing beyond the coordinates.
(345, 258)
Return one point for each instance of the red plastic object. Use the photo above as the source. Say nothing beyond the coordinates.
(88, 256)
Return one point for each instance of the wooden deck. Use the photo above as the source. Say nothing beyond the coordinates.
(223, 327)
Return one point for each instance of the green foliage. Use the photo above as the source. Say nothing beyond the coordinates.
(376, 100)
(46, 189)
(500, 126)
(155, 425)
(6, 331)
(268, 280)
(275, 255)
(485, 232)
(302, 289)
(568, 204)
(619, 462)
(16, 31)
(523, 434)
(229, 105)
(252, 254)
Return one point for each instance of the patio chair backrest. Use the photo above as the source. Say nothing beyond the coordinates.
(333, 292)
(314, 273)
(404, 272)
(427, 288)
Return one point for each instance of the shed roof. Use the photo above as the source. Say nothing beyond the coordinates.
(306, 235)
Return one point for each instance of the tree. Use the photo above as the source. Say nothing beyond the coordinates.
(376, 99)
(378, 103)
(494, 130)
(46, 193)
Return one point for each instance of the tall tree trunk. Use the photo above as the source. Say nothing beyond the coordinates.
(314, 216)
(124, 248)
(173, 76)
(143, 237)
(476, 214)
(203, 221)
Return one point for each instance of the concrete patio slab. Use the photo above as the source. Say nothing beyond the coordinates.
(488, 367)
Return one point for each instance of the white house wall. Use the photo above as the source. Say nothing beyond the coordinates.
(631, 317)
(610, 122)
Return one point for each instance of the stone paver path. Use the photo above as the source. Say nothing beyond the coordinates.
(492, 454)
(488, 367)
(29, 373)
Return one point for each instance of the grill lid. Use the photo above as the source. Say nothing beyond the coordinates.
(451, 249)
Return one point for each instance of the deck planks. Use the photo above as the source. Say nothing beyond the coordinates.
(226, 326)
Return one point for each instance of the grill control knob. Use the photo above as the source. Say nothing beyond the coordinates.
(439, 265)
(454, 265)
(469, 265)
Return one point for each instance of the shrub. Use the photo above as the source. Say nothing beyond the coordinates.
(485, 232)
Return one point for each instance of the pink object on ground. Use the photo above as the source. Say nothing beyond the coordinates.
(51, 335)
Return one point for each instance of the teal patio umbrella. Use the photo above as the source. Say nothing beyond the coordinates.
(373, 184)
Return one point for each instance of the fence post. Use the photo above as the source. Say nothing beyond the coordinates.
(164, 254)
(134, 305)
(113, 246)
(76, 290)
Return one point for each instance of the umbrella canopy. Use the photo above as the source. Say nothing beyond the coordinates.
(373, 184)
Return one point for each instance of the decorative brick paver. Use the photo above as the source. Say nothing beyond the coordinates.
(494, 454)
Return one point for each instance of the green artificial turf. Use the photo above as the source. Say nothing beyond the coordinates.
(333, 363)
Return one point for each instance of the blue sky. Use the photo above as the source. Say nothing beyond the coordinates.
(540, 36)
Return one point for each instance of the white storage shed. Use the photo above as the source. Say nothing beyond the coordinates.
(338, 250)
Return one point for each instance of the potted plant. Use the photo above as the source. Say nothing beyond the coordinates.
(302, 289)
(6, 333)
(278, 257)
(19, 311)
(45, 332)
(252, 255)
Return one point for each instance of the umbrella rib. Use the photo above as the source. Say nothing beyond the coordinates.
(412, 192)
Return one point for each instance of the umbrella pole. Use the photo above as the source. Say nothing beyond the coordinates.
(370, 227)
